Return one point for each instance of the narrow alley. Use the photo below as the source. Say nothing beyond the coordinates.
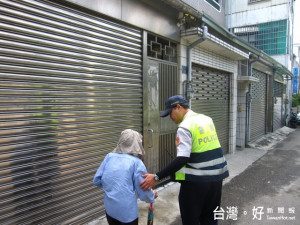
(268, 192)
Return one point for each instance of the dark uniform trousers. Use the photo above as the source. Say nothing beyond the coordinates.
(112, 221)
(198, 200)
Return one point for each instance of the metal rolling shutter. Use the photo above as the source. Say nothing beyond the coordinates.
(212, 99)
(258, 106)
(277, 113)
(70, 83)
(278, 105)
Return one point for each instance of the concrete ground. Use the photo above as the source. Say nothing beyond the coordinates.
(268, 192)
(166, 208)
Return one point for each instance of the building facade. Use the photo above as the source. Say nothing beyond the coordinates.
(267, 25)
(74, 74)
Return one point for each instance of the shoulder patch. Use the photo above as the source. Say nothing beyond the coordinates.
(177, 141)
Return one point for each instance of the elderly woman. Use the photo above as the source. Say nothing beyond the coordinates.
(119, 175)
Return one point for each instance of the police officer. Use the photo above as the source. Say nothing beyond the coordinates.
(200, 165)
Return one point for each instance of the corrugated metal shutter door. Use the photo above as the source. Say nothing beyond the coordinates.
(70, 83)
(278, 105)
(258, 106)
(212, 99)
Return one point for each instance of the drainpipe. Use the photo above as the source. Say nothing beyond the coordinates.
(189, 88)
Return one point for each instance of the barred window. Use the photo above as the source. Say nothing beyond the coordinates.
(161, 48)
(251, 1)
(215, 3)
